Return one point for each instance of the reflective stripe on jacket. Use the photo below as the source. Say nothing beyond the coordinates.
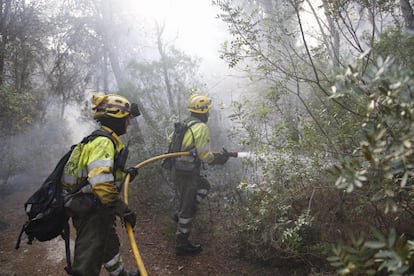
(94, 161)
(197, 139)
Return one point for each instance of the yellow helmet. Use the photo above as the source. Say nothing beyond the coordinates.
(198, 103)
(112, 105)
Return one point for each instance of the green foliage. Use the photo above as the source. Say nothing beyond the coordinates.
(258, 36)
(386, 154)
(269, 228)
(390, 254)
(165, 84)
(17, 110)
(292, 236)
(382, 167)
(364, 127)
(398, 44)
(355, 259)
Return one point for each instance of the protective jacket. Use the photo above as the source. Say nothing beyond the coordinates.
(197, 140)
(95, 162)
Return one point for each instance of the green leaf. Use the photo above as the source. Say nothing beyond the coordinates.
(374, 244)
(392, 238)
(384, 254)
(333, 258)
(404, 180)
(378, 234)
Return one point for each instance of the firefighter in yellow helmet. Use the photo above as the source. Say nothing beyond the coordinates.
(191, 186)
(92, 181)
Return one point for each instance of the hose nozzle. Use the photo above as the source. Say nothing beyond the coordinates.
(230, 153)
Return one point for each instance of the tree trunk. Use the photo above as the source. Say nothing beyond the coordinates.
(105, 69)
(408, 14)
(165, 69)
(109, 50)
(116, 68)
(4, 15)
(332, 40)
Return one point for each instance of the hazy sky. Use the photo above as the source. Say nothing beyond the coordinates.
(192, 21)
(194, 28)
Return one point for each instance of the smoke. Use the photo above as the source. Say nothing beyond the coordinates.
(27, 158)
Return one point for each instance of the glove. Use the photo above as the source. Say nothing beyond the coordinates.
(133, 172)
(220, 158)
(130, 217)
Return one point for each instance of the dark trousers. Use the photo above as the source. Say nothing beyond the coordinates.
(192, 188)
(96, 241)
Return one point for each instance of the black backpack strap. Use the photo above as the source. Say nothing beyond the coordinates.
(66, 237)
(96, 133)
(19, 239)
(120, 157)
(192, 134)
(188, 124)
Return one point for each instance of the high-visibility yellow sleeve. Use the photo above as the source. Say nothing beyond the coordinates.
(198, 136)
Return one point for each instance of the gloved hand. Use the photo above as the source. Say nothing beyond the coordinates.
(220, 158)
(133, 172)
(130, 217)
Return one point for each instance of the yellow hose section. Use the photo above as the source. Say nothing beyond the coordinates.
(132, 242)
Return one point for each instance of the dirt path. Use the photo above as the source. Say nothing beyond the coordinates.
(154, 235)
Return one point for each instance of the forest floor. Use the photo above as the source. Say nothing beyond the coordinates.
(154, 234)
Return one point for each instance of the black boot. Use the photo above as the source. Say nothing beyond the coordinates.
(188, 250)
(134, 272)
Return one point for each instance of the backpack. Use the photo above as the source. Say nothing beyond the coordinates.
(180, 128)
(47, 217)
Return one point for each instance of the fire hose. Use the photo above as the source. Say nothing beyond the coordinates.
(131, 236)
(134, 246)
